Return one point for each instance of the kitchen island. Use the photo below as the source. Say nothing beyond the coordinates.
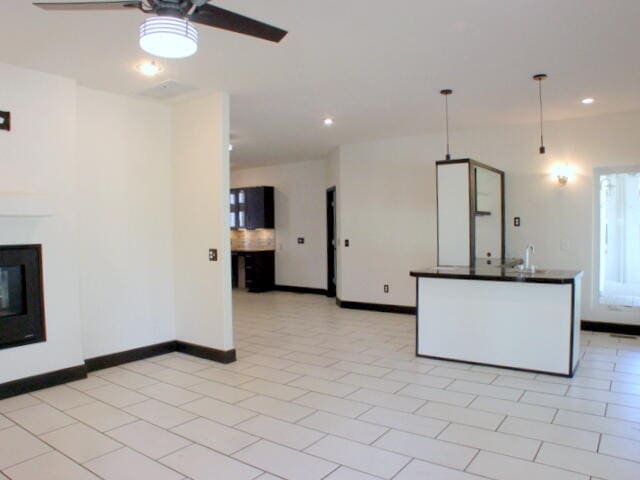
(499, 316)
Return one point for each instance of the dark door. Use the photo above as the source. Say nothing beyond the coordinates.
(332, 242)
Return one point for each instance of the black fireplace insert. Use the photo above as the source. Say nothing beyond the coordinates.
(21, 296)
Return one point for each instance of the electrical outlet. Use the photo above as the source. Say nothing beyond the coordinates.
(346, 242)
(213, 255)
(564, 245)
(301, 240)
(516, 221)
(386, 289)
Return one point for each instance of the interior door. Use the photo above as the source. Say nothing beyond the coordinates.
(332, 243)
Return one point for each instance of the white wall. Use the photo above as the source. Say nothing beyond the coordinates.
(387, 212)
(387, 205)
(300, 211)
(200, 145)
(125, 213)
(37, 157)
(107, 168)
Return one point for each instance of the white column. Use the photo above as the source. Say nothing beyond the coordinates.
(200, 153)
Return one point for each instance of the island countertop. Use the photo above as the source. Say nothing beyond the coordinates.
(499, 273)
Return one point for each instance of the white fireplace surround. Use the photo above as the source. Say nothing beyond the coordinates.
(20, 204)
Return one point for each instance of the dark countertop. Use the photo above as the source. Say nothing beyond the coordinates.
(251, 251)
(499, 273)
(496, 262)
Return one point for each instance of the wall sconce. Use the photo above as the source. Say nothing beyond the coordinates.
(562, 173)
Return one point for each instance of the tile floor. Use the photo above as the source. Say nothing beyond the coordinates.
(324, 393)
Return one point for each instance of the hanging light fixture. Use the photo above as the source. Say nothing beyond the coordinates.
(539, 78)
(168, 37)
(445, 93)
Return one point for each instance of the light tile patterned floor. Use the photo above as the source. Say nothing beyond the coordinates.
(324, 393)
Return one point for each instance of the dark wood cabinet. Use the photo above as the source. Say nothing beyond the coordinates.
(252, 207)
(259, 270)
(260, 207)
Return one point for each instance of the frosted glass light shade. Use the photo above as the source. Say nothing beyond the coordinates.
(168, 37)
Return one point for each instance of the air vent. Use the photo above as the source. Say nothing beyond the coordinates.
(167, 90)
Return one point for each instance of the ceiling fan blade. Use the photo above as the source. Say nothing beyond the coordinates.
(220, 18)
(110, 5)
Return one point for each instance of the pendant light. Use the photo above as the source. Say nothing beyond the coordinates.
(539, 78)
(445, 93)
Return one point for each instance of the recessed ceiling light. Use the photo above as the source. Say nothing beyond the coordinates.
(231, 147)
(328, 121)
(149, 69)
(588, 101)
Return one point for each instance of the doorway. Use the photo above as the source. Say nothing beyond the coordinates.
(618, 223)
(332, 242)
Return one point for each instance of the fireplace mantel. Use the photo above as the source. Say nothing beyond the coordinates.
(20, 204)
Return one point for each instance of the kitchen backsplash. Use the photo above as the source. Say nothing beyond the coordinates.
(259, 239)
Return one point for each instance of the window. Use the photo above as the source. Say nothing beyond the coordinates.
(618, 191)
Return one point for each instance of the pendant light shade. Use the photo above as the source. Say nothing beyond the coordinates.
(445, 93)
(168, 37)
(539, 78)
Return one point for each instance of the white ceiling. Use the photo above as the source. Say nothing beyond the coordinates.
(376, 66)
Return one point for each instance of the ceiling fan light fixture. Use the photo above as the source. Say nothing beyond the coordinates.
(168, 37)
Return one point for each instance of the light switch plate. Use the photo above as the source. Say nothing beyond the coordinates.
(5, 120)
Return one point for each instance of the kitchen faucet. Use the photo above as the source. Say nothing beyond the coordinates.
(527, 258)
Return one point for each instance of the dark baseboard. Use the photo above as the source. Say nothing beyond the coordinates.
(619, 328)
(118, 358)
(288, 288)
(376, 307)
(44, 380)
(51, 379)
(221, 356)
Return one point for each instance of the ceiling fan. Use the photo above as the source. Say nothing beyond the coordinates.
(170, 33)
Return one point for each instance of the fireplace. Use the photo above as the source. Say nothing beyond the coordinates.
(21, 296)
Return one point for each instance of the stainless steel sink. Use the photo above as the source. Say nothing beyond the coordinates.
(531, 270)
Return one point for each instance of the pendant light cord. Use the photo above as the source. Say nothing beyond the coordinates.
(539, 78)
(446, 94)
(541, 115)
(446, 108)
